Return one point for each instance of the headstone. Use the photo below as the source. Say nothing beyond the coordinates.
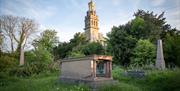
(135, 74)
(160, 63)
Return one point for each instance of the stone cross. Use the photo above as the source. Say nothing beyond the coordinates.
(160, 63)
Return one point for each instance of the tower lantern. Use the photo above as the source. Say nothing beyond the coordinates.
(91, 6)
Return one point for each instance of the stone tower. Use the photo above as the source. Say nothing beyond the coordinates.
(91, 24)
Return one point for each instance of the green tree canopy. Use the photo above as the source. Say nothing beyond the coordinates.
(44, 46)
(47, 40)
(171, 46)
(148, 25)
(79, 39)
(138, 28)
(93, 48)
(121, 45)
(144, 53)
(67, 49)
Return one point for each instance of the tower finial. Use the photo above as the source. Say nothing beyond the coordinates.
(91, 6)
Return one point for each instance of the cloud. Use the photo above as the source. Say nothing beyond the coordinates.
(136, 4)
(116, 20)
(116, 2)
(65, 33)
(173, 17)
(28, 9)
(157, 2)
(67, 16)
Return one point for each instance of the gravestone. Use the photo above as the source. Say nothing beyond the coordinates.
(136, 74)
(160, 63)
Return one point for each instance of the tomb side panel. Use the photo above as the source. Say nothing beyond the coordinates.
(76, 69)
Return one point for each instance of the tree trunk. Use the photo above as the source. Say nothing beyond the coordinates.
(12, 47)
(21, 56)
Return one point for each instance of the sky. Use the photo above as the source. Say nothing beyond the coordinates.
(67, 16)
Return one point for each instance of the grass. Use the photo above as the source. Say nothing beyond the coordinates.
(121, 86)
(155, 80)
(168, 80)
(43, 82)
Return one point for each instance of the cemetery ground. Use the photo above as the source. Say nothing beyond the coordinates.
(154, 80)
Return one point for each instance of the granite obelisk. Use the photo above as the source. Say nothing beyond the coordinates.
(160, 63)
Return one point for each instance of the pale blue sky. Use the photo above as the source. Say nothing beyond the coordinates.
(67, 16)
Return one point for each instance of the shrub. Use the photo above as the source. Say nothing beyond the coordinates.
(54, 66)
(117, 71)
(42, 55)
(143, 53)
(28, 69)
(30, 57)
(7, 62)
(164, 80)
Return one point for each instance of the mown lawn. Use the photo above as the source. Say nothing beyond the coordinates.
(168, 80)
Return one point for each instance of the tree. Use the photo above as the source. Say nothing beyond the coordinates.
(146, 25)
(18, 29)
(76, 52)
(48, 39)
(62, 50)
(121, 45)
(66, 49)
(27, 27)
(144, 53)
(42, 54)
(8, 27)
(138, 28)
(171, 47)
(45, 43)
(93, 48)
(79, 39)
(151, 25)
(1, 41)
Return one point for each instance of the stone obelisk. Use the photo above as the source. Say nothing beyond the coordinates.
(160, 63)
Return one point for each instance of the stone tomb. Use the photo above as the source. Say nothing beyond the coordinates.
(94, 71)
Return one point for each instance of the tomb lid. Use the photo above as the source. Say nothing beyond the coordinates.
(91, 57)
(102, 57)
